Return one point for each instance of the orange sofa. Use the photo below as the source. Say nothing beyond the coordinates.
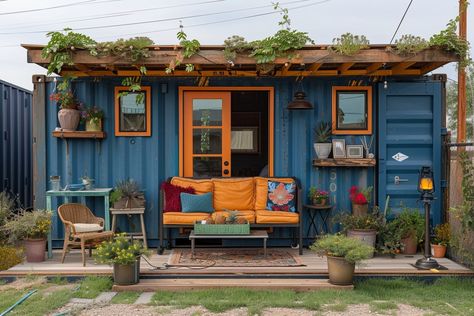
(247, 195)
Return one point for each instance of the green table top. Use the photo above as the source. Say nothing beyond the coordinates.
(94, 192)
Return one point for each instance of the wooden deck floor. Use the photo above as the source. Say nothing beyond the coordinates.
(314, 265)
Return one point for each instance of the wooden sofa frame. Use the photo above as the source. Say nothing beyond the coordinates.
(165, 229)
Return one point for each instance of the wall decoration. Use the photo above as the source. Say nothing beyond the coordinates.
(339, 148)
(355, 151)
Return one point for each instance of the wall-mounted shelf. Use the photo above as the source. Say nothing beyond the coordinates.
(344, 162)
(79, 134)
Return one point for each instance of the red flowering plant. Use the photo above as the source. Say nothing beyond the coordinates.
(359, 196)
(318, 196)
(64, 97)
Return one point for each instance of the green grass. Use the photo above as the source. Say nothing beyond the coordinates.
(125, 298)
(41, 304)
(448, 296)
(93, 286)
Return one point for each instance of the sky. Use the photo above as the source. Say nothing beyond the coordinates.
(28, 21)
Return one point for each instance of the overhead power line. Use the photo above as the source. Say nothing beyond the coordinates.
(54, 7)
(401, 21)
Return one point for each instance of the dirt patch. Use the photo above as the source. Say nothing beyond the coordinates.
(24, 283)
(54, 288)
(364, 309)
(135, 310)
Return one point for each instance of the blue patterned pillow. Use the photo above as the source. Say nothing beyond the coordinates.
(192, 203)
(281, 196)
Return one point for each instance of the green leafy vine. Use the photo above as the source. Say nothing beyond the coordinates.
(189, 48)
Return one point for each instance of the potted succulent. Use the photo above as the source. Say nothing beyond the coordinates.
(322, 144)
(32, 228)
(93, 117)
(365, 227)
(360, 199)
(124, 254)
(318, 197)
(441, 240)
(68, 114)
(410, 225)
(127, 194)
(343, 253)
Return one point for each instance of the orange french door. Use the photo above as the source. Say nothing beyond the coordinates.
(206, 131)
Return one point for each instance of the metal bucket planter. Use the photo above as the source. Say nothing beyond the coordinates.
(69, 119)
(127, 274)
(94, 125)
(367, 236)
(360, 209)
(322, 150)
(341, 272)
(35, 250)
(439, 251)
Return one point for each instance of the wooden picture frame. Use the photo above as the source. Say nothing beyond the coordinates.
(355, 151)
(147, 115)
(339, 148)
(244, 143)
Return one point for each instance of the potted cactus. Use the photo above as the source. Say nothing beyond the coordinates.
(322, 144)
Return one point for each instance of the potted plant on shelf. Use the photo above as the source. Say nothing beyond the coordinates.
(31, 228)
(441, 240)
(318, 197)
(410, 225)
(124, 254)
(93, 117)
(68, 114)
(360, 200)
(322, 135)
(343, 253)
(127, 194)
(365, 227)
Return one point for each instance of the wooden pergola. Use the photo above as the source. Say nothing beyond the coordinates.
(315, 60)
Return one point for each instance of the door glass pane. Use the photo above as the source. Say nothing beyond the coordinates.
(206, 167)
(351, 110)
(207, 141)
(207, 112)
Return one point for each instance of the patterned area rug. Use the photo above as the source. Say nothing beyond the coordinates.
(232, 257)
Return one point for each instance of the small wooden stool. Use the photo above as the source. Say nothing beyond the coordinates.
(131, 211)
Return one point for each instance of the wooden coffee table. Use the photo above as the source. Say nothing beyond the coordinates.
(254, 234)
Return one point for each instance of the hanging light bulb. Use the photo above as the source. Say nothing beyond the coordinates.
(385, 84)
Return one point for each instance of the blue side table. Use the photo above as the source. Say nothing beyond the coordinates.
(99, 192)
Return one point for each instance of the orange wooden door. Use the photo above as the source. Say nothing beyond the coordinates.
(206, 134)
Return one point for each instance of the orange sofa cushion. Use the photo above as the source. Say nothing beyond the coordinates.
(261, 190)
(200, 186)
(276, 217)
(234, 194)
(179, 218)
(247, 214)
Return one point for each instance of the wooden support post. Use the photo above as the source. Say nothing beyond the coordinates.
(461, 132)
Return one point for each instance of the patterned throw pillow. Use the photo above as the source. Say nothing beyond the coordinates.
(281, 196)
(172, 196)
(201, 203)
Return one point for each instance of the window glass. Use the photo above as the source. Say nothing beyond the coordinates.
(133, 112)
(351, 110)
(207, 112)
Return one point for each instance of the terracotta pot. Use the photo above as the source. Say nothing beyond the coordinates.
(69, 119)
(367, 236)
(438, 251)
(321, 202)
(127, 274)
(410, 245)
(322, 150)
(35, 249)
(360, 209)
(340, 271)
(94, 125)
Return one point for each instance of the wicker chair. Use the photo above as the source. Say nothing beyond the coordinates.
(82, 228)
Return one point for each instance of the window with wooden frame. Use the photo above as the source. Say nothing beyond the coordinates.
(352, 110)
(133, 112)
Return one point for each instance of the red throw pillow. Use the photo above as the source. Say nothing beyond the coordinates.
(172, 196)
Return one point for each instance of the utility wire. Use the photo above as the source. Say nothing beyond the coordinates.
(53, 7)
(401, 21)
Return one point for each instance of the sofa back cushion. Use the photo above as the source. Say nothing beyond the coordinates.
(261, 190)
(234, 194)
(200, 186)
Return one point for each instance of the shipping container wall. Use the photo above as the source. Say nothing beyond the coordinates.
(151, 160)
(16, 142)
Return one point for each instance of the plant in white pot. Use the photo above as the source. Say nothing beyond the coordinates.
(68, 114)
(343, 253)
(322, 135)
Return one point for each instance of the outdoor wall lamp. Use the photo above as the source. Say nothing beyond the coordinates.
(299, 102)
(426, 188)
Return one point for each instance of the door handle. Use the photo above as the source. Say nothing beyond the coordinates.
(397, 180)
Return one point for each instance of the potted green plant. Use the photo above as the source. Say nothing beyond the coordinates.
(441, 240)
(322, 144)
(410, 224)
(124, 254)
(365, 227)
(343, 253)
(127, 194)
(93, 117)
(68, 114)
(31, 228)
(360, 199)
(390, 239)
(318, 197)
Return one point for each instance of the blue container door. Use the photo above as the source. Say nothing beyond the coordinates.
(409, 138)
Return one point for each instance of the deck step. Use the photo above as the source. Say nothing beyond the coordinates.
(184, 284)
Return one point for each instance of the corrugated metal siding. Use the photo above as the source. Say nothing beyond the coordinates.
(16, 142)
(150, 160)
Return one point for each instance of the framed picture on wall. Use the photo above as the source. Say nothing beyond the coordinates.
(339, 148)
(245, 140)
(355, 151)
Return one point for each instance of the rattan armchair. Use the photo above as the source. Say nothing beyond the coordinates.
(82, 228)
